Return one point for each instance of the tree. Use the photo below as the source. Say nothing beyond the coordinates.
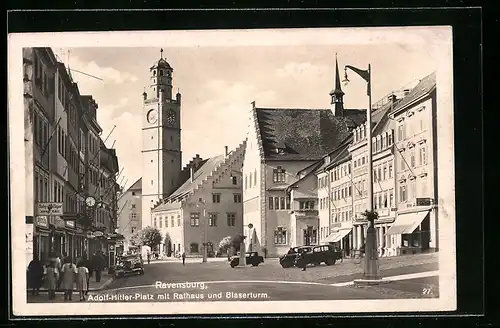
(150, 236)
(236, 242)
(135, 239)
(225, 244)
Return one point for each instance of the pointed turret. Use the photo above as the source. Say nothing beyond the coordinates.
(337, 94)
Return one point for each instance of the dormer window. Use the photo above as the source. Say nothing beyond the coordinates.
(402, 179)
(421, 108)
(161, 72)
(410, 145)
(409, 113)
(279, 175)
(154, 73)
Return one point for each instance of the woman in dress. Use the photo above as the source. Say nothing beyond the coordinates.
(51, 279)
(35, 275)
(82, 279)
(68, 272)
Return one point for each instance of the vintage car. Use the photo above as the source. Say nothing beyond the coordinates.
(288, 260)
(314, 255)
(129, 264)
(252, 258)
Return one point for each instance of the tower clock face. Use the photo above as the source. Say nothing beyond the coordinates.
(152, 116)
(171, 117)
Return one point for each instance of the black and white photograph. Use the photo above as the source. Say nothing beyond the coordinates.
(232, 171)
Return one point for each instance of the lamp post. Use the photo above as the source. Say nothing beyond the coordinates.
(204, 219)
(371, 266)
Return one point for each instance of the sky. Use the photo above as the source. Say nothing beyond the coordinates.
(220, 74)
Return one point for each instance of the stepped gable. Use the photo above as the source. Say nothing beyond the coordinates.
(304, 134)
(196, 163)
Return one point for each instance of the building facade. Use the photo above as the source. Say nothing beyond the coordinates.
(282, 143)
(206, 208)
(416, 227)
(129, 213)
(161, 139)
(55, 122)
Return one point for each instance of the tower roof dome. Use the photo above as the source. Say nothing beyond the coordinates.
(161, 63)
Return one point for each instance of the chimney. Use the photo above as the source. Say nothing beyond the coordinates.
(225, 151)
(406, 92)
(392, 98)
(192, 173)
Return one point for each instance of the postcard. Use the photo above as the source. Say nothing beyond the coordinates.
(232, 171)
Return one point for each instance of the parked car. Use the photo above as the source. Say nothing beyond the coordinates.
(288, 260)
(129, 264)
(327, 254)
(252, 258)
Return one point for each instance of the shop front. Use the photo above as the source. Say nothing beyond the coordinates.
(411, 231)
(71, 239)
(341, 236)
(80, 242)
(385, 219)
(58, 235)
(41, 238)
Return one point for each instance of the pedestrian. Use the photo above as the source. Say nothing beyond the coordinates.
(183, 258)
(300, 261)
(88, 265)
(149, 257)
(68, 274)
(51, 278)
(82, 279)
(35, 275)
(98, 265)
(58, 264)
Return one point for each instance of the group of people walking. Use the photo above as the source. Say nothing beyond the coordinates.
(60, 272)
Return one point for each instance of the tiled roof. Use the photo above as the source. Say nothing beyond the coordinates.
(199, 175)
(162, 63)
(425, 86)
(137, 185)
(305, 134)
(340, 154)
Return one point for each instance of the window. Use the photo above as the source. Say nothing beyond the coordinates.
(279, 174)
(166, 222)
(282, 203)
(391, 198)
(255, 178)
(310, 236)
(132, 229)
(423, 155)
(379, 175)
(390, 170)
(384, 174)
(306, 205)
(250, 180)
(413, 189)
(133, 206)
(246, 182)
(280, 236)
(271, 203)
(288, 202)
(193, 248)
(402, 160)
(276, 203)
(212, 219)
(231, 219)
(235, 180)
(423, 186)
(154, 222)
(401, 132)
(159, 222)
(195, 219)
(412, 158)
(402, 193)
(178, 220)
(237, 198)
(171, 221)
(216, 198)
(133, 216)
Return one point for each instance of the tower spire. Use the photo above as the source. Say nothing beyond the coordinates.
(161, 53)
(337, 94)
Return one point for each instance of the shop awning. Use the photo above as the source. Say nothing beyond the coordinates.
(337, 236)
(407, 223)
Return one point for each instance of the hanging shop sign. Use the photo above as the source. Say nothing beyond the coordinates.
(50, 209)
(70, 224)
(42, 221)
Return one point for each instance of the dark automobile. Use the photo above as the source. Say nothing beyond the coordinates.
(252, 258)
(129, 264)
(315, 255)
(288, 260)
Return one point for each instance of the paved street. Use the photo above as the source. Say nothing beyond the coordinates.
(215, 280)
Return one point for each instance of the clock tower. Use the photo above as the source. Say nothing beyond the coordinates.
(161, 138)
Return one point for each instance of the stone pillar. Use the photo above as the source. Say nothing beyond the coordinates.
(360, 236)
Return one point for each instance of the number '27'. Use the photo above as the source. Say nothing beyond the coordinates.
(426, 291)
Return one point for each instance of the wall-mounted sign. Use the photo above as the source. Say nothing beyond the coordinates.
(336, 224)
(49, 209)
(57, 222)
(383, 212)
(42, 221)
(423, 201)
(70, 224)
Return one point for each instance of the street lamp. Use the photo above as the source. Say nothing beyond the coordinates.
(371, 269)
(204, 219)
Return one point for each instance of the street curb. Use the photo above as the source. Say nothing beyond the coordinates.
(104, 285)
